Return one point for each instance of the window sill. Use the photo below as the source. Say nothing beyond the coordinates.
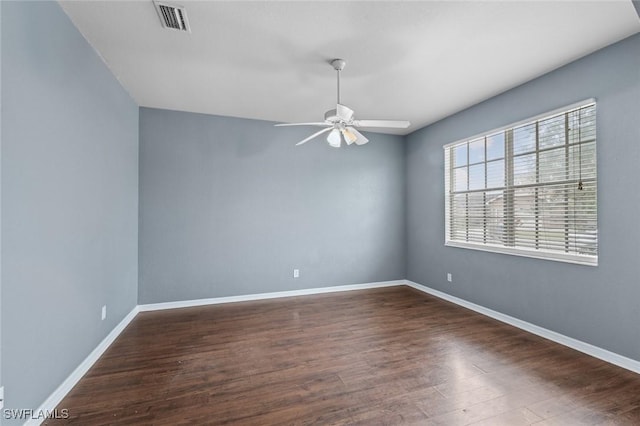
(535, 254)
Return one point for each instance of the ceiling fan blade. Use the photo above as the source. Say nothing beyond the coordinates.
(360, 139)
(301, 124)
(344, 113)
(314, 135)
(396, 124)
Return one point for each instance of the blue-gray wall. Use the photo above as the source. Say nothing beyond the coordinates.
(69, 200)
(231, 206)
(599, 305)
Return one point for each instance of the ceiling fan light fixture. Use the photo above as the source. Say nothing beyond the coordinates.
(349, 137)
(335, 138)
(360, 139)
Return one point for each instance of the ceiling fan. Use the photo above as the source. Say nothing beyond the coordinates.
(340, 123)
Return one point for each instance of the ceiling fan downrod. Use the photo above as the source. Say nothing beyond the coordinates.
(338, 65)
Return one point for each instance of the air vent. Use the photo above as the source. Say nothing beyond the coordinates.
(172, 17)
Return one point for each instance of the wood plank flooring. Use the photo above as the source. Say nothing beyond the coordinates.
(384, 356)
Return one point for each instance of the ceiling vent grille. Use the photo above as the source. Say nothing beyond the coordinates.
(172, 17)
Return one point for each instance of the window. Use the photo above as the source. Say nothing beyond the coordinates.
(528, 189)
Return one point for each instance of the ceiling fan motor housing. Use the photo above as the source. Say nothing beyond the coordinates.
(331, 116)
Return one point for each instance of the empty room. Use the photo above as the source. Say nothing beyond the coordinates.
(319, 212)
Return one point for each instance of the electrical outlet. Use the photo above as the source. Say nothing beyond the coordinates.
(449, 277)
(104, 312)
(296, 273)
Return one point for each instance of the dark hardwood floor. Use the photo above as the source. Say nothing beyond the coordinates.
(385, 356)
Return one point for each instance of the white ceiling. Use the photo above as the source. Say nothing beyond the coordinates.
(412, 60)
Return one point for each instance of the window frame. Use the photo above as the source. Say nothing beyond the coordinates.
(508, 158)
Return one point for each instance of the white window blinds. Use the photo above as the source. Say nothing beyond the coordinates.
(527, 189)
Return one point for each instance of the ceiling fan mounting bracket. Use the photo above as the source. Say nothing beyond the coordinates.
(338, 64)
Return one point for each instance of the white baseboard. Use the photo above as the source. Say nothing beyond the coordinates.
(54, 399)
(594, 351)
(263, 296)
